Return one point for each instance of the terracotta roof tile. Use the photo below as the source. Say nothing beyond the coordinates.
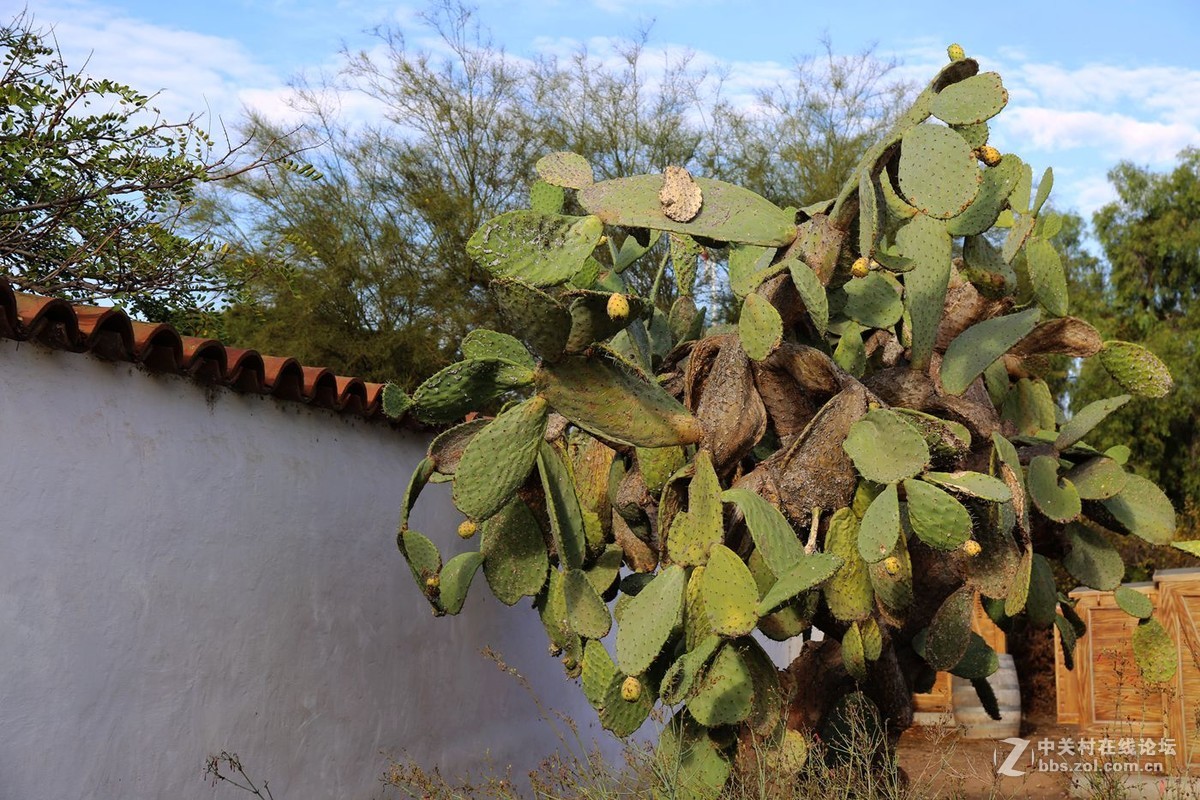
(110, 334)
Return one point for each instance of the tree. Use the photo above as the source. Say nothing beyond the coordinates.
(463, 126)
(1147, 290)
(870, 451)
(90, 199)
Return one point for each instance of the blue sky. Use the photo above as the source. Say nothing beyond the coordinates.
(1090, 83)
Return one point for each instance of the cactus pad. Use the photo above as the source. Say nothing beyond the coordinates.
(1098, 478)
(687, 752)
(938, 173)
(395, 401)
(465, 386)
(724, 693)
(1092, 559)
(848, 593)
(759, 327)
(591, 318)
(949, 631)
(1133, 602)
(587, 615)
(606, 398)
(885, 448)
(546, 198)
(540, 249)
(812, 570)
(1047, 276)
(1137, 369)
(498, 459)
(852, 653)
(694, 532)
(542, 322)
(936, 517)
(880, 526)
(1155, 652)
(894, 589)
(562, 504)
(514, 555)
(774, 538)
(598, 674)
(680, 677)
(456, 579)
(1086, 419)
(650, 619)
(812, 293)
(873, 301)
(730, 213)
(978, 662)
(970, 353)
(972, 484)
(729, 593)
(926, 242)
(970, 101)
(569, 170)
(1141, 508)
(1054, 497)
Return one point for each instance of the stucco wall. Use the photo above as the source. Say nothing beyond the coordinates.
(184, 571)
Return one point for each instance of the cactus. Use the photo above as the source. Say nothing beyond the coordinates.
(1133, 602)
(836, 456)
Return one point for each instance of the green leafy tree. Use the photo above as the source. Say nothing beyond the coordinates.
(93, 183)
(1146, 289)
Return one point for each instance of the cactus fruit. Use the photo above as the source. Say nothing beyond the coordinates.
(955, 52)
(433, 583)
(860, 267)
(466, 529)
(631, 689)
(892, 565)
(989, 155)
(972, 548)
(618, 307)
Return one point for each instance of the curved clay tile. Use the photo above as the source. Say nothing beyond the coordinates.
(107, 332)
(374, 399)
(284, 377)
(157, 346)
(320, 387)
(244, 370)
(351, 394)
(204, 359)
(48, 320)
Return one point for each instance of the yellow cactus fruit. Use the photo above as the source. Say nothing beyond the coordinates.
(631, 689)
(433, 583)
(555, 650)
(861, 267)
(971, 547)
(467, 529)
(956, 52)
(989, 155)
(892, 565)
(618, 306)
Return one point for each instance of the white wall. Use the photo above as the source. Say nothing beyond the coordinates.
(186, 570)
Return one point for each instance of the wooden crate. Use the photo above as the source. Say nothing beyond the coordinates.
(937, 701)
(1179, 611)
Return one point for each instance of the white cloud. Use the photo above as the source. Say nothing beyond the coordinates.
(1113, 136)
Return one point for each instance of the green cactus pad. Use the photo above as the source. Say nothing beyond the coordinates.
(793, 618)
(565, 169)
(590, 322)
(767, 705)
(1092, 559)
(885, 448)
(587, 615)
(650, 619)
(540, 249)
(685, 321)
(848, 593)
(681, 676)
(1067, 638)
(724, 694)
(658, 464)
(412, 491)
(598, 674)
(1017, 597)
(897, 207)
(606, 567)
(542, 321)
(949, 631)
(546, 198)
(972, 484)
(1086, 419)
(1030, 406)
(456, 579)
(514, 554)
(1017, 236)
(970, 353)
(687, 753)
(1043, 191)
(978, 662)
(466, 386)
(422, 555)
(852, 653)
(395, 401)
(685, 254)
(729, 214)
(872, 638)
(993, 570)
(851, 354)
(811, 571)
(694, 532)
(562, 504)
(1047, 276)
(446, 449)
(1042, 603)
(498, 459)
(1154, 651)
(606, 398)
(1054, 497)
(975, 135)
(1133, 602)
(774, 538)
(947, 440)
(750, 265)
(812, 292)
(894, 591)
(759, 327)
(552, 608)
(986, 268)
(696, 627)
(880, 526)
(935, 516)
(1141, 508)
(869, 212)
(938, 172)
(970, 101)
(1098, 478)
(925, 241)
(729, 593)
(1137, 369)
(873, 301)
(624, 717)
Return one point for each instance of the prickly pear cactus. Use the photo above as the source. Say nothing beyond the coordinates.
(870, 451)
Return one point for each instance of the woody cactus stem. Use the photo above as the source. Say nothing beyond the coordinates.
(868, 452)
